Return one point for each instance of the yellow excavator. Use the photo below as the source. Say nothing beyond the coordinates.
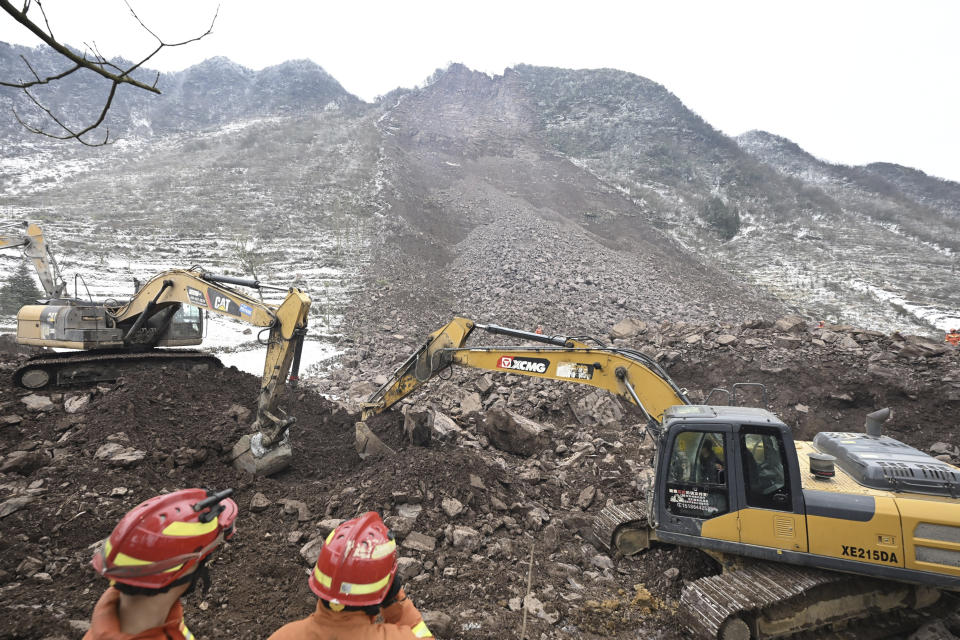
(112, 338)
(809, 534)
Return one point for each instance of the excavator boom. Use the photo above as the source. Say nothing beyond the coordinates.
(29, 238)
(624, 372)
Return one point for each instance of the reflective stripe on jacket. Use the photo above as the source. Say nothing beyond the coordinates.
(105, 624)
(402, 621)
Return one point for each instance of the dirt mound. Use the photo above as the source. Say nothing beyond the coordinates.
(470, 513)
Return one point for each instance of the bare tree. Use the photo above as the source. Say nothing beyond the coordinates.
(248, 254)
(96, 62)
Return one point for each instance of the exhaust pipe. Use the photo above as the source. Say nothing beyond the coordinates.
(875, 422)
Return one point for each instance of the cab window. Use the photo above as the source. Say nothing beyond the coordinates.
(765, 471)
(697, 477)
(187, 323)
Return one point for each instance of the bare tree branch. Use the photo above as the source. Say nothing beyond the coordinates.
(70, 132)
(97, 63)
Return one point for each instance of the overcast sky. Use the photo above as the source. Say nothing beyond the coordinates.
(850, 81)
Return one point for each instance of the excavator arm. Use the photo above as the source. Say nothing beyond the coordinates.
(29, 238)
(626, 373)
(267, 451)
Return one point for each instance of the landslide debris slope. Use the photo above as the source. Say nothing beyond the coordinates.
(470, 509)
(484, 218)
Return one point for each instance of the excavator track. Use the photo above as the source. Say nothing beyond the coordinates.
(63, 370)
(622, 529)
(755, 599)
(767, 600)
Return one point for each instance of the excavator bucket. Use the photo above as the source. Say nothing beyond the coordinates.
(272, 461)
(368, 444)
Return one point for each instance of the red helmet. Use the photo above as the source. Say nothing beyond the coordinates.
(161, 540)
(357, 563)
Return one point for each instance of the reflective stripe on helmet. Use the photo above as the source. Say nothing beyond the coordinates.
(123, 560)
(321, 577)
(124, 566)
(363, 589)
(190, 528)
(330, 537)
(383, 550)
(421, 630)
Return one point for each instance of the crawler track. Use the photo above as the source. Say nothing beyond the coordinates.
(766, 600)
(62, 370)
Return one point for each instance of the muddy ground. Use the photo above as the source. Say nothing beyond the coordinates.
(484, 510)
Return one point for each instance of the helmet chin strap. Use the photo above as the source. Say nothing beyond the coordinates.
(370, 610)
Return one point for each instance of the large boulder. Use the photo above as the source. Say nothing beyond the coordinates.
(14, 504)
(790, 324)
(463, 537)
(439, 623)
(23, 462)
(513, 433)
(470, 402)
(76, 403)
(920, 347)
(597, 408)
(423, 425)
(417, 541)
(311, 550)
(118, 455)
(628, 328)
(444, 428)
(259, 503)
(37, 402)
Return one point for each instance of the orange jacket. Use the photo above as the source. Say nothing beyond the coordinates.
(402, 621)
(953, 338)
(105, 625)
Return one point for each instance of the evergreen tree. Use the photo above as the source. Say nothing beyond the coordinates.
(20, 289)
(725, 220)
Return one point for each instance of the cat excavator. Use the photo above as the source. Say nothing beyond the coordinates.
(114, 338)
(809, 534)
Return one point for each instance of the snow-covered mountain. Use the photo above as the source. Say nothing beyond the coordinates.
(212, 93)
(640, 206)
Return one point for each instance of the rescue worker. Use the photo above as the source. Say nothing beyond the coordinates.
(953, 337)
(155, 555)
(355, 578)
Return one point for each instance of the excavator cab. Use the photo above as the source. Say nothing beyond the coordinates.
(726, 478)
(697, 485)
(187, 325)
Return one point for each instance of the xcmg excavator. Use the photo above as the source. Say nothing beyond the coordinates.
(113, 338)
(808, 533)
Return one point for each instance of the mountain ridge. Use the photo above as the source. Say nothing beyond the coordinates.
(611, 157)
